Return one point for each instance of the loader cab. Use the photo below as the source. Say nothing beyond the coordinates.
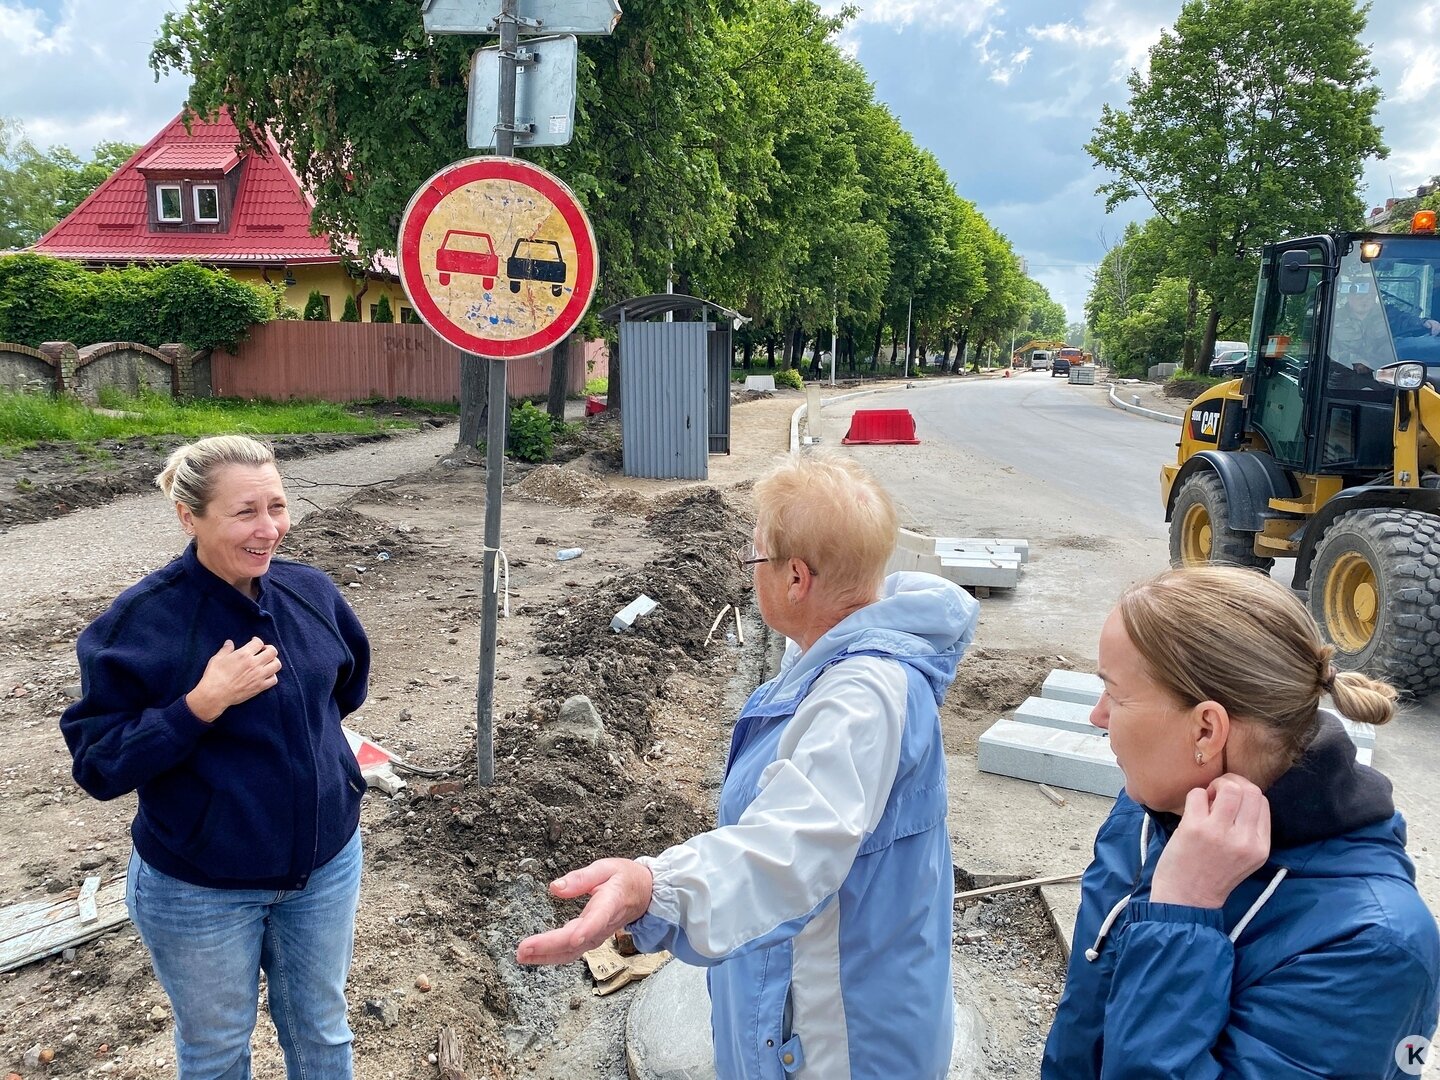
(1331, 312)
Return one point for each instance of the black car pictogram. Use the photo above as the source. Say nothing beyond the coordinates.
(536, 260)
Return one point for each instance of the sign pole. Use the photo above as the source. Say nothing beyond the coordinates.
(495, 432)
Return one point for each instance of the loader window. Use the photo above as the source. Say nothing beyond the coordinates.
(1288, 331)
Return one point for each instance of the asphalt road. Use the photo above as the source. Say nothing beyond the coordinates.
(1037, 458)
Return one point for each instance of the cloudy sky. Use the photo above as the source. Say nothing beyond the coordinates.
(1004, 92)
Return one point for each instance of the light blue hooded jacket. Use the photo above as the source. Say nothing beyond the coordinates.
(822, 901)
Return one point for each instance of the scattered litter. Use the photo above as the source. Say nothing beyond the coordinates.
(566, 554)
(1053, 795)
(383, 556)
(625, 618)
(716, 623)
(611, 969)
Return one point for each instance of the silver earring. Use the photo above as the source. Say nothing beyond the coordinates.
(1199, 758)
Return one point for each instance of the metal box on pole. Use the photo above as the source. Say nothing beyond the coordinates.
(544, 93)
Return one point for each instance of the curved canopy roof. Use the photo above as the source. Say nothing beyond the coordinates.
(649, 307)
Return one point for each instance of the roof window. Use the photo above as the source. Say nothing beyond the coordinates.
(168, 204)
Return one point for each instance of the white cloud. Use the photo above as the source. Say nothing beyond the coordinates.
(969, 16)
(82, 75)
(21, 32)
(1421, 72)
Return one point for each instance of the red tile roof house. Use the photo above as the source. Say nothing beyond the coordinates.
(194, 195)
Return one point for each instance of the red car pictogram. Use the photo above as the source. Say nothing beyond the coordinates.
(464, 252)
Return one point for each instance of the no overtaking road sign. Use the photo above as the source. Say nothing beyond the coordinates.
(498, 257)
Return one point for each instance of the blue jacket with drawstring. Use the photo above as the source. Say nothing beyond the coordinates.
(822, 902)
(1320, 964)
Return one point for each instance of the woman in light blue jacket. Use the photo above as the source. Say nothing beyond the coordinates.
(822, 901)
(1250, 911)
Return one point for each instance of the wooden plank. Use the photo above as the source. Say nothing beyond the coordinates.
(34, 930)
(86, 900)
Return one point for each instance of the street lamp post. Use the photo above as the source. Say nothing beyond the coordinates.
(909, 313)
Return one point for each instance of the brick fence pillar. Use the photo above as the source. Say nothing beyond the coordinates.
(182, 363)
(65, 356)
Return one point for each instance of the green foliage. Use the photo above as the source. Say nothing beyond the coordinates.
(1251, 122)
(597, 386)
(315, 307)
(351, 313)
(45, 299)
(29, 418)
(38, 189)
(1153, 332)
(771, 179)
(383, 314)
(532, 436)
(789, 377)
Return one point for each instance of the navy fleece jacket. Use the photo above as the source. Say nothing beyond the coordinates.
(269, 791)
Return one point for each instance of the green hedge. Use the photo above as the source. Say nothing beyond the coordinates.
(45, 299)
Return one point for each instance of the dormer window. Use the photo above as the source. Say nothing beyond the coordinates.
(207, 203)
(169, 207)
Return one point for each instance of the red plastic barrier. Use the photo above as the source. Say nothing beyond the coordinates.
(881, 426)
(594, 405)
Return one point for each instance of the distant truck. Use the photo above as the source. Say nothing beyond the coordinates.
(1040, 360)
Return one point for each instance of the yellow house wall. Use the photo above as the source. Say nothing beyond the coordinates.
(332, 281)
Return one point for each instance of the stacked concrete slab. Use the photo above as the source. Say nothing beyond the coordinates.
(967, 560)
(1082, 374)
(1050, 739)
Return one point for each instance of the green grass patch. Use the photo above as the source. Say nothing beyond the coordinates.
(597, 386)
(30, 418)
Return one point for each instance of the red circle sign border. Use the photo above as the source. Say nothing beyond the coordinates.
(457, 175)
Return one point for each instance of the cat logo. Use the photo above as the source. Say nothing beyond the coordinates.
(1205, 424)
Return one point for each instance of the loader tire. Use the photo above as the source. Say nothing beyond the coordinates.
(1200, 532)
(1375, 591)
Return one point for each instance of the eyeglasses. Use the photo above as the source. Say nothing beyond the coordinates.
(748, 556)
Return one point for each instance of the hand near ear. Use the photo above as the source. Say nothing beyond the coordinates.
(1223, 838)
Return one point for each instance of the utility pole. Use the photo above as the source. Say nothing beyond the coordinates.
(834, 326)
(909, 314)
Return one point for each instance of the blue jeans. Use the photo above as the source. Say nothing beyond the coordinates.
(208, 947)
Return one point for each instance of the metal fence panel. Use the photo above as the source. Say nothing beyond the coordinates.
(665, 424)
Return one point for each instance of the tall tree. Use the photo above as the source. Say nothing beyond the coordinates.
(39, 188)
(1253, 121)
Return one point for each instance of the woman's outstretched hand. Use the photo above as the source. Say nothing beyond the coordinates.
(619, 891)
(1223, 838)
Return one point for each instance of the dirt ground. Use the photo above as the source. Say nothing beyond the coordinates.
(454, 872)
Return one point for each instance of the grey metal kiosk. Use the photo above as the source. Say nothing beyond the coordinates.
(674, 384)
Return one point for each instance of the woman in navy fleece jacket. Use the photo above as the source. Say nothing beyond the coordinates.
(215, 689)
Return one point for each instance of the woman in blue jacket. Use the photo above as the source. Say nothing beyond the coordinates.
(1250, 910)
(822, 902)
(214, 688)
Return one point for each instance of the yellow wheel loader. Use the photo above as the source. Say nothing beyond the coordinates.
(1327, 450)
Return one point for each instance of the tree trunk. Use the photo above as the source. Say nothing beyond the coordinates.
(747, 350)
(561, 359)
(815, 358)
(770, 351)
(875, 355)
(612, 386)
(1207, 346)
(1192, 310)
(960, 347)
(474, 397)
